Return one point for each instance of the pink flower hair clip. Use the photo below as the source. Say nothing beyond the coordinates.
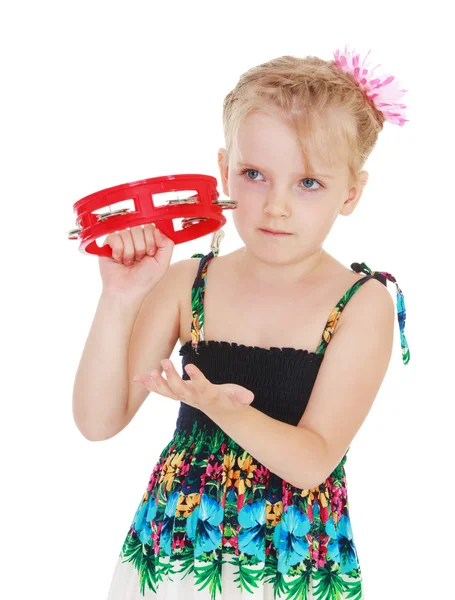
(385, 92)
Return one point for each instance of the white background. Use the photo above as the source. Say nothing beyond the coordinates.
(95, 94)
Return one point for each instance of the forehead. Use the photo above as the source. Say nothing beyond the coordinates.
(264, 134)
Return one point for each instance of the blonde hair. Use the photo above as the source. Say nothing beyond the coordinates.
(305, 93)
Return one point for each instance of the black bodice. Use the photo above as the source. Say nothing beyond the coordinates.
(281, 379)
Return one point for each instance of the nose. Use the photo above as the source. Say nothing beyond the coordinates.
(277, 204)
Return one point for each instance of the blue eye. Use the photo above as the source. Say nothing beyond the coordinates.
(246, 171)
(250, 171)
(311, 179)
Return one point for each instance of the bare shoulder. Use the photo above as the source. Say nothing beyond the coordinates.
(372, 298)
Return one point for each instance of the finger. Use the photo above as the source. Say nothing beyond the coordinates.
(205, 389)
(162, 386)
(114, 240)
(150, 238)
(155, 383)
(179, 387)
(197, 376)
(146, 381)
(128, 248)
(138, 242)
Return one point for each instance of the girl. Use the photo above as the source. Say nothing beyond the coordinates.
(249, 496)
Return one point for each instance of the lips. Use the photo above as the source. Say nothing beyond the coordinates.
(275, 231)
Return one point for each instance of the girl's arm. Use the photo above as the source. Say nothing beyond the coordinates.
(295, 454)
(131, 332)
(350, 376)
(100, 392)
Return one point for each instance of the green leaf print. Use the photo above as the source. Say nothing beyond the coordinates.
(187, 563)
(151, 569)
(298, 588)
(209, 575)
(274, 576)
(164, 569)
(134, 552)
(248, 578)
(353, 590)
(215, 440)
(329, 584)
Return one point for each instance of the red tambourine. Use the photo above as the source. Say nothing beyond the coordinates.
(201, 212)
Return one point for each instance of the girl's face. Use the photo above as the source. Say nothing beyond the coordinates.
(266, 177)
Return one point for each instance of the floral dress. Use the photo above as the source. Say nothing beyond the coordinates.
(213, 521)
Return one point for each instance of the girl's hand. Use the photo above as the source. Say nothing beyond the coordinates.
(140, 258)
(198, 392)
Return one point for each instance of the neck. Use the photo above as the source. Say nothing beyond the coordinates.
(273, 272)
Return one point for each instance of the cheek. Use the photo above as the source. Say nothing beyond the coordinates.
(245, 219)
(248, 199)
(240, 187)
(314, 210)
(248, 207)
(318, 223)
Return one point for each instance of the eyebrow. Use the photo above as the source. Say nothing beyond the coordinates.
(241, 164)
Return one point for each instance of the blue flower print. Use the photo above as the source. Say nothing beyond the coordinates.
(342, 549)
(289, 538)
(202, 525)
(141, 522)
(168, 523)
(252, 529)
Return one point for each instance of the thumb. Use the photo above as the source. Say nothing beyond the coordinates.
(239, 395)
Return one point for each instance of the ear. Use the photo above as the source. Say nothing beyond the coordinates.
(223, 164)
(354, 194)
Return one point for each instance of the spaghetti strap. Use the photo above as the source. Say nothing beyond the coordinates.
(336, 313)
(197, 299)
(381, 276)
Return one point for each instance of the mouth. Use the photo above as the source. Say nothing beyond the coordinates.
(274, 232)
